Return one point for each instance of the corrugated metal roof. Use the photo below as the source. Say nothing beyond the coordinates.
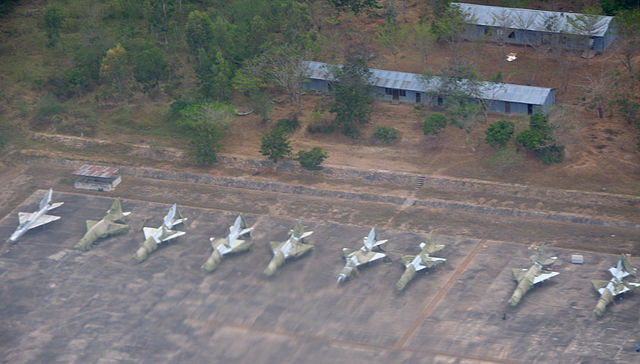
(516, 18)
(89, 170)
(414, 82)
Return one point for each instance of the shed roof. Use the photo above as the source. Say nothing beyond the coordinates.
(89, 170)
(415, 82)
(529, 19)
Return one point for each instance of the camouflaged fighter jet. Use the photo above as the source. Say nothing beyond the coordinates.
(238, 241)
(294, 247)
(112, 224)
(30, 220)
(416, 263)
(615, 286)
(154, 237)
(365, 255)
(527, 278)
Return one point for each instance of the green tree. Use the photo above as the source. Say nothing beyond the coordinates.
(355, 5)
(434, 124)
(311, 159)
(460, 89)
(52, 20)
(199, 31)
(392, 37)
(539, 140)
(205, 124)
(351, 97)
(449, 27)
(214, 75)
(499, 133)
(115, 70)
(151, 67)
(275, 144)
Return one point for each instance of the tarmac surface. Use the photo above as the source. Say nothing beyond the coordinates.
(58, 304)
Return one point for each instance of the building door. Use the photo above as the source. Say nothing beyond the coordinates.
(395, 94)
(529, 109)
(418, 97)
(507, 107)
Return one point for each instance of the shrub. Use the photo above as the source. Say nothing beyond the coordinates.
(351, 130)
(499, 133)
(275, 144)
(311, 159)
(385, 134)
(434, 124)
(550, 154)
(288, 125)
(531, 139)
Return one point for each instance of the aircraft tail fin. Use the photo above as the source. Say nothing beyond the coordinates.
(298, 230)
(371, 241)
(540, 259)
(46, 199)
(174, 217)
(626, 265)
(115, 211)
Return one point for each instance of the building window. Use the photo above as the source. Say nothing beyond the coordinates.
(403, 93)
(388, 91)
(512, 35)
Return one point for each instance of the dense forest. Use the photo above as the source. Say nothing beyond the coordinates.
(182, 68)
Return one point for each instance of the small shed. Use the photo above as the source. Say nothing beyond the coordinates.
(539, 27)
(100, 178)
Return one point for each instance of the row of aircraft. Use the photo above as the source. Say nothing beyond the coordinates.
(239, 240)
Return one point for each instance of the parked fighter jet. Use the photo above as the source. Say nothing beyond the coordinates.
(112, 224)
(30, 220)
(615, 286)
(415, 263)
(293, 247)
(365, 255)
(154, 237)
(528, 277)
(238, 240)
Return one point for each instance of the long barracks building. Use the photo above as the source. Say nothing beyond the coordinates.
(412, 87)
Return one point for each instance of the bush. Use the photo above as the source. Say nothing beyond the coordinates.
(531, 139)
(384, 134)
(351, 130)
(275, 144)
(550, 154)
(311, 159)
(288, 125)
(499, 133)
(320, 126)
(434, 124)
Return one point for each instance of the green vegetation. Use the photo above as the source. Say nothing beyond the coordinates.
(539, 140)
(275, 144)
(385, 134)
(499, 133)
(288, 125)
(434, 124)
(205, 123)
(351, 98)
(311, 159)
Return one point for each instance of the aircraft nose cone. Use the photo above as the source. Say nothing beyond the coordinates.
(341, 278)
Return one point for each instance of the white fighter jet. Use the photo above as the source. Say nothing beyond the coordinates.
(30, 220)
(156, 236)
(238, 241)
(365, 255)
(416, 263)
(615, 286)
